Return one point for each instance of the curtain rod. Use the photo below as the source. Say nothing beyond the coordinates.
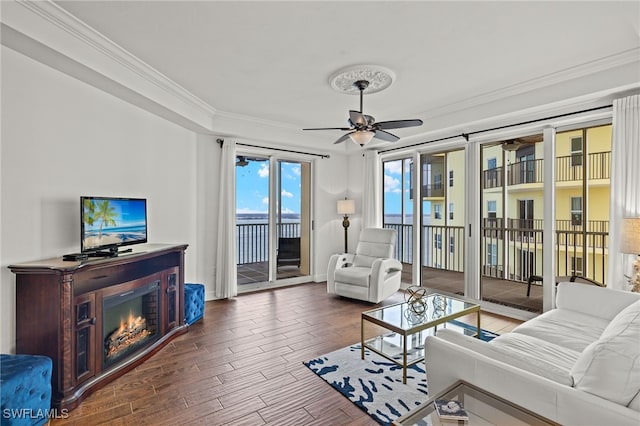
(506, 126)
(221, 142)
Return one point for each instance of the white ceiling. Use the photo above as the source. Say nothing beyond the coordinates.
(271, 61)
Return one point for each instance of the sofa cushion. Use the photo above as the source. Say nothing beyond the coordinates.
(564, 327)
(521, 351)
(353, 275)
(610, 366)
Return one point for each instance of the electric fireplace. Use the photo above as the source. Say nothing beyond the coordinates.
(130, 321)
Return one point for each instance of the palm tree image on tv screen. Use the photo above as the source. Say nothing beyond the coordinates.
(112, 222)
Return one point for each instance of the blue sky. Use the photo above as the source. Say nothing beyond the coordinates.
(252, 183)
(393, 192)
(393, 188)
(252, 187)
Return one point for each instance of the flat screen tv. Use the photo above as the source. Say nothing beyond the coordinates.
(109, 222)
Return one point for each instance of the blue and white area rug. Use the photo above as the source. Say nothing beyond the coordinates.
(375, 384)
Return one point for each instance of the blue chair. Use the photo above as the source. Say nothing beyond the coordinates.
(193, 302)
(25, 388)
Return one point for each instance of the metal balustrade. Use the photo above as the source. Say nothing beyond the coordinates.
(568, 168)
(252, 240)
(444, 247)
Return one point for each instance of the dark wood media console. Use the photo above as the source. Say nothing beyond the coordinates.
(72, 312)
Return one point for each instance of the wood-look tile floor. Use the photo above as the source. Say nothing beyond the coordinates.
(242, 365)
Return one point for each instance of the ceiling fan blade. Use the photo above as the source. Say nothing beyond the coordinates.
(344, 129)
(357, 118)
(343, 138)
(398, 124)
(385, 136)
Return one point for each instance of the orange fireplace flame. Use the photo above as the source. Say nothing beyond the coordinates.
(131, 331)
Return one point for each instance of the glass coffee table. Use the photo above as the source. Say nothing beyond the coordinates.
(399, 330)
(482, 408)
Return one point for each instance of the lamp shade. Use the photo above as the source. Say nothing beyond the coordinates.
(362, 137)
(630, 241)
(346, 207)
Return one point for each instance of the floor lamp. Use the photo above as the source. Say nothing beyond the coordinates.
(346, 207)
(631, 244)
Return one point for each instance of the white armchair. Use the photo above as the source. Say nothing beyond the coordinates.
(371, 274)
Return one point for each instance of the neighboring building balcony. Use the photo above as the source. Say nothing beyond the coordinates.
(432, 191)
(569, 168)
(523, 172)
(493, 178)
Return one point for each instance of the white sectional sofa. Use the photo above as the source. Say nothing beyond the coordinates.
(578, 364)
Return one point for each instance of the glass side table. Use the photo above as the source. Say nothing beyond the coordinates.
(483, 408)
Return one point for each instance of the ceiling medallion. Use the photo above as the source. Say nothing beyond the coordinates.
(379, 78)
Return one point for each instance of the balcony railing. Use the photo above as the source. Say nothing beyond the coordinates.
(520, 248)
(520, 243)
(252, 240)
(433, 190)
(492, 178)
(528, 171)
(568, 168)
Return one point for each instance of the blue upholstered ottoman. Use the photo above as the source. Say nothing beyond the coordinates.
(25, 388)
(193, 302)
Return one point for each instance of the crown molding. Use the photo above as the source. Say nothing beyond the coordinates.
(54, 27)
(75, 41)
(615, 60)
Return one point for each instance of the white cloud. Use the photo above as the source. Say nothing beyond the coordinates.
(393, 167)
(296, 170)
(391, 184)
(246, 210)
(287, 194)
(263, 172)
(265, 200)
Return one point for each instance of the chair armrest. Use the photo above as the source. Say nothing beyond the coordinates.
(343, 260)
(382, 267)
(337, 261)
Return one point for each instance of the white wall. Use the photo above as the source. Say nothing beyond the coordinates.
(330, 183)
(62, 139)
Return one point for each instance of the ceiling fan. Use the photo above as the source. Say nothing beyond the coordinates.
(243, 160)
(363, 127)
(519, 143)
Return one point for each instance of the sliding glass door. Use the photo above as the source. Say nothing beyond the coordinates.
(398, 196)
(273, 221)
(442, 178)
(511, 223)
(582, 190)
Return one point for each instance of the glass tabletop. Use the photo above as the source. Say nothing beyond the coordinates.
(481, 407)
(433, 308)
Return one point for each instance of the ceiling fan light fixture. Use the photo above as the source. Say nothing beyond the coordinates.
(362, 137)
(511, 145)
